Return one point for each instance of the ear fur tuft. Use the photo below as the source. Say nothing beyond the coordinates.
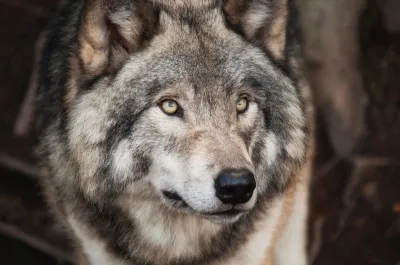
(111, 30)
(263, 22)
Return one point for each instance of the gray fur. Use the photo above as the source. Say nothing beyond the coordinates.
(111, 151)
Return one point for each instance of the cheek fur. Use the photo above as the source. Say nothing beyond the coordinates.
(164, 124)
(248, 118)
(167, 171)
(87, 133)
(271, 148)
(123, 160)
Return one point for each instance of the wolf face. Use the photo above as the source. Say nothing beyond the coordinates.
(199, 119)
(169, 129)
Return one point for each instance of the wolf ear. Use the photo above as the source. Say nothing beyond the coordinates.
(111, 30)
(262, 22)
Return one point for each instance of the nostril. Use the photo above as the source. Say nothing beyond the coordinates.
(235, 186)
(250, 188)
(226, 190)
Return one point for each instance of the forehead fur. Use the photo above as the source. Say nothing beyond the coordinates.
(201, 58)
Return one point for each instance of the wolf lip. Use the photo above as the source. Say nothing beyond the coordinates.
(227, 213)
(172, 195)
(182, 204)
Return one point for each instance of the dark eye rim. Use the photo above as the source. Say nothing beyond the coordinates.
(243, 96)
(179, 111)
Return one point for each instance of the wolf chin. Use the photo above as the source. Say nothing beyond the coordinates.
(176, 132)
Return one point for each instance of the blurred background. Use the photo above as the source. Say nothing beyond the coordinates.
(352, 49)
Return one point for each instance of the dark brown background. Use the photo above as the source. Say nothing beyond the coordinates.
(355, 203)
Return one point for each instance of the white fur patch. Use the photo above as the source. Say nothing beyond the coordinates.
(94, 248)
(177, 234)
(167, 125)
(255, 18)
(167, 171)
(86, 124)
(88, 127)
(257, 247)
(248, 118)
(123, 160)
(192, 180)
(271, 148)
(296, 146)
(295, 114)
(199, 189)
(291, 248)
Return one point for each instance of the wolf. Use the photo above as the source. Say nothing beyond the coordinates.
(176, 132)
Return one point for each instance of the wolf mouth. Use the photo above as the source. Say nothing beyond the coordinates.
(172, 196)
(227, 213)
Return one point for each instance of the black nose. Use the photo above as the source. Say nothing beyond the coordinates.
(235, 186)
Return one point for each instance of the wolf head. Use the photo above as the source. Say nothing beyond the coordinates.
(179, 102)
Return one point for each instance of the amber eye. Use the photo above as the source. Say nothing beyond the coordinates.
(169, 106)
(242, 104)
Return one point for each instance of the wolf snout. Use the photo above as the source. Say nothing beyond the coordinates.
(235, 186)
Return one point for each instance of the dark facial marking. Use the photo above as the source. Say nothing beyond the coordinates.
(144, 165)
(256, 155)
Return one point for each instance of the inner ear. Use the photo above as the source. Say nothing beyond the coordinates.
(111, 30)
(262, 22)
(234, 12)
